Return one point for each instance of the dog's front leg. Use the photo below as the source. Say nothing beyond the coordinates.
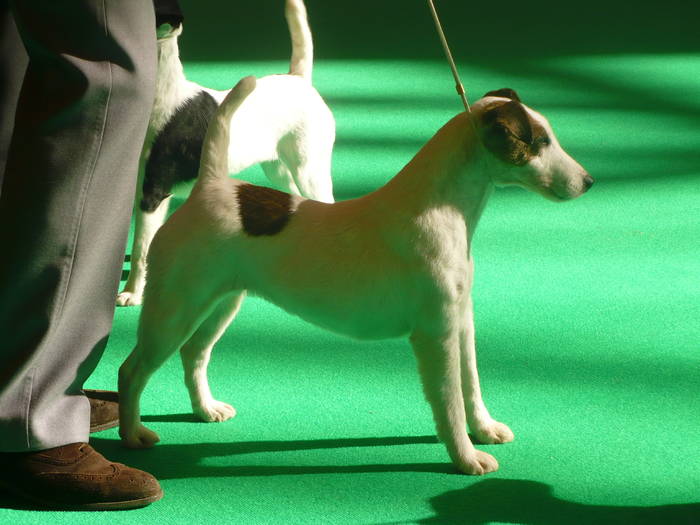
(438, 363)
(278, 174)
(312, 175)
(483, 427)
(145, 227)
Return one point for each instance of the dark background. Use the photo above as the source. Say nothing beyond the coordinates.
(253, 29)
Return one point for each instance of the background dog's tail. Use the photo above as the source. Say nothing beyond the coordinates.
(214, 161)
(302, 43)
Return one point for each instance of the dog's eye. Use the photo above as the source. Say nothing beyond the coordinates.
(543, 141)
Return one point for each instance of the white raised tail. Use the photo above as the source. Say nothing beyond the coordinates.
(214, 160)
(302, 44)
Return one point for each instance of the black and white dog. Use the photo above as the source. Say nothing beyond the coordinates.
(284, 125)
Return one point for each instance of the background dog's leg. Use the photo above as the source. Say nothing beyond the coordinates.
(483, 427)
(173, 309)
(195, 359)
(145, 227)
(278, 174)
(313, 177)
(438, 364)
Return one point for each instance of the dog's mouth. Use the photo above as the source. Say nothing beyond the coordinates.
(548, 191)
(560, 192)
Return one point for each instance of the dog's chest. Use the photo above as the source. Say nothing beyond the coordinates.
(441, 242)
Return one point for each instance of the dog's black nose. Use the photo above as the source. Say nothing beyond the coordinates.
(588, 182)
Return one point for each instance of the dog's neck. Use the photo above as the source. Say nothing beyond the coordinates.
(171, 83)
(449, 172)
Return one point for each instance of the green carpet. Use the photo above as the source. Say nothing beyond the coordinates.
(587, 318)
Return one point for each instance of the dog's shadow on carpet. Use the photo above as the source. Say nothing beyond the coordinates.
(171, 418)
(482, 501)
(533, 503)
(174, 461)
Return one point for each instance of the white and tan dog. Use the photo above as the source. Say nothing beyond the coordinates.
(284, 125)
(395, 262)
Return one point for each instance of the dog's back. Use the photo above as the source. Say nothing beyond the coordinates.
(267, 127)
(281, 105)
(293, 243)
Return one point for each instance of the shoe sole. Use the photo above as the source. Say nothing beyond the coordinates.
(104, 426)
(102, 505)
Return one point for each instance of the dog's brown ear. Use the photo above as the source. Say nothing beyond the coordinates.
(507, 132)
(505, 93)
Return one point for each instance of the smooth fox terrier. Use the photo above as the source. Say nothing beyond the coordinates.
(393, 263)
(284, 125)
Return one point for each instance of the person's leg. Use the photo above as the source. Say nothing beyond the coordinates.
(65, 205)
(13, 64)
(69, 176)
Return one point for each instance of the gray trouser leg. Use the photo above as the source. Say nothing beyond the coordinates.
(65, 205)
(13, 64)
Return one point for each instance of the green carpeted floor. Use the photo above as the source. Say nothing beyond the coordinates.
(588, 328)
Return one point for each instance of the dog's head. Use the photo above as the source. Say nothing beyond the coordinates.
(528, 153)
(168, 18)
(165, 31)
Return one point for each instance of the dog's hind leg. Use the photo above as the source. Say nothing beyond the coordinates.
(438, 364)
(313, 179)
(483, 427)
(173, 309)
(195, 355)
(145, 227)
(310, 168)
(278, 174)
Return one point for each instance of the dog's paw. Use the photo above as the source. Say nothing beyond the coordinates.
(141, 437)
(215, 411)
(479, 464)
(128, 299)
(493, 432)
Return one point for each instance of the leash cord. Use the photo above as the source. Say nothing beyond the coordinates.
(450, 60)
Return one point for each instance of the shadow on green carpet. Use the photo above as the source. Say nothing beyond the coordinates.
(533, 503)
(485, 501)
(179, 461)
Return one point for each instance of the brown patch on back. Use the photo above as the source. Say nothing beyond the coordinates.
(263, 211)
(511, 134)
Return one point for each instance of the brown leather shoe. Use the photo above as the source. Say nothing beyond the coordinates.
(104, 409)
(76, 477)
